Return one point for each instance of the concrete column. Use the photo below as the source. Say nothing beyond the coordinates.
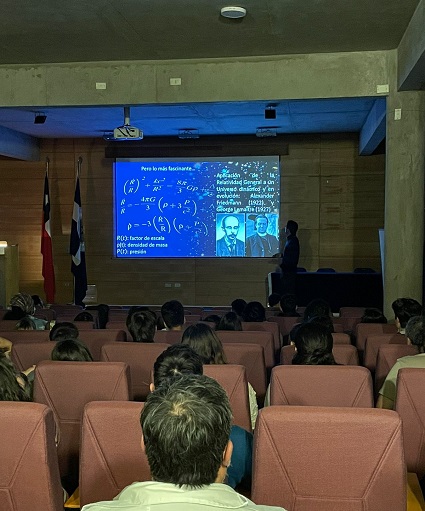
(404, 196)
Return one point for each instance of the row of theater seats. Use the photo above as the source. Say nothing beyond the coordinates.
(305, 457)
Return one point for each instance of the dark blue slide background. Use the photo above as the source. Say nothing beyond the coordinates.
(169, 208)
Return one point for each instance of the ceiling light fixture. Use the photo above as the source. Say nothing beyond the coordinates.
(233, 12)
(40, 118)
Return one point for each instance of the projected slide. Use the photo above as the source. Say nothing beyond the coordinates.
(216, 207)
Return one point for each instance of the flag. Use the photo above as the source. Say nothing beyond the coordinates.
(77, 249)
(48, 270)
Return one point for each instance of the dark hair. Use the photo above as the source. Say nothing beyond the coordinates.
(72, 350)
(406, 308)
(372, 315)
(186, 427)
(223, 221)
(254, 312)
(314, 345)
(102, 314)
(288, 305)
(325, 321)
(176, 360)
(273, 299)
(64, 330)
(84, 316)
(213, 318)
(142, 326)
(415, 331)
(172, 313)
(10, 389)
(238, 306)
(230, 321)
(38, 302)
(292, 227)
(15, 313)
(25, 323)
(202, 338)
(317, 307)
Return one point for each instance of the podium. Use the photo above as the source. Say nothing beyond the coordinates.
(9, 272)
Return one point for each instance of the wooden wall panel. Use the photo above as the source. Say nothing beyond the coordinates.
(336, 196)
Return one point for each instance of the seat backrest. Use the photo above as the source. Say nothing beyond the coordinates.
(66, 387)
(168, 336)
(111, 455)
(388, 354)
(262, 338)
(365, 329)
(352, 312)
(6, 325)
(344, 354)
(26, 336)
(338, 326)
(349, 323)
(267, 326)
(233, 380)
(95, 339)
(373, 343)
(251, 356)
(29, 472)
(286, 324)
(140, 357)
(341, 338)
(322, 459)
(25, 355)
(303, 385)
(410, 404)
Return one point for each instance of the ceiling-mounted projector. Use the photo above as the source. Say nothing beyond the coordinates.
(127, 132)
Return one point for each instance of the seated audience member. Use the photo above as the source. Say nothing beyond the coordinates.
(63, 330)
(317, 307)
(372, 315)
(288, 306)
(230, 321)
(142, 326)
(404, 309)
(313, 344)
(273, 301)
(13, 385)
(213, 318)
(102, 314)
(185, 435)
(415, 333)
(172, 313)
(22, 305)
(208, 346)
(238, 306)
(38, 302)
(254, 312)
(26, 323)
(84, 316)
(325, 321)
(71, 350)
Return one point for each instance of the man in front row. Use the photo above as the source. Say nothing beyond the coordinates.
(186, 426)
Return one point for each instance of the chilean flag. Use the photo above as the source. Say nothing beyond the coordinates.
(48, 270)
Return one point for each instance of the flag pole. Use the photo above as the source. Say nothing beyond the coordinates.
(47, 165)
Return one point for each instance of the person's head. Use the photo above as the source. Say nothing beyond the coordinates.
(291, 228)
(230, 226)
(38, 302)
(63, 330)
(317, 307)
(84, 316)
(415, 332)
(10, 389)
(5, 347)
(230, 321)
(25, 323)
(71, 350)
(404, 309)
(314, 344)
(288, 304)
(172, 313)
(238, 306)
(273, 299)
(213, 318)
(185, 431)
(24, 302)
(372, 315)
(254, 312)
(202, 338)
(175, 361)
(325, 321)
(142, 326)
(102, 314)
(261, 224)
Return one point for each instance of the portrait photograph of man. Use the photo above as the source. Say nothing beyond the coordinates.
(263, 241)
(231, 228)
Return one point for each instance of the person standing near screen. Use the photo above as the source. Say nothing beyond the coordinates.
(229, 245)
(261, 244)
(290, 257)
